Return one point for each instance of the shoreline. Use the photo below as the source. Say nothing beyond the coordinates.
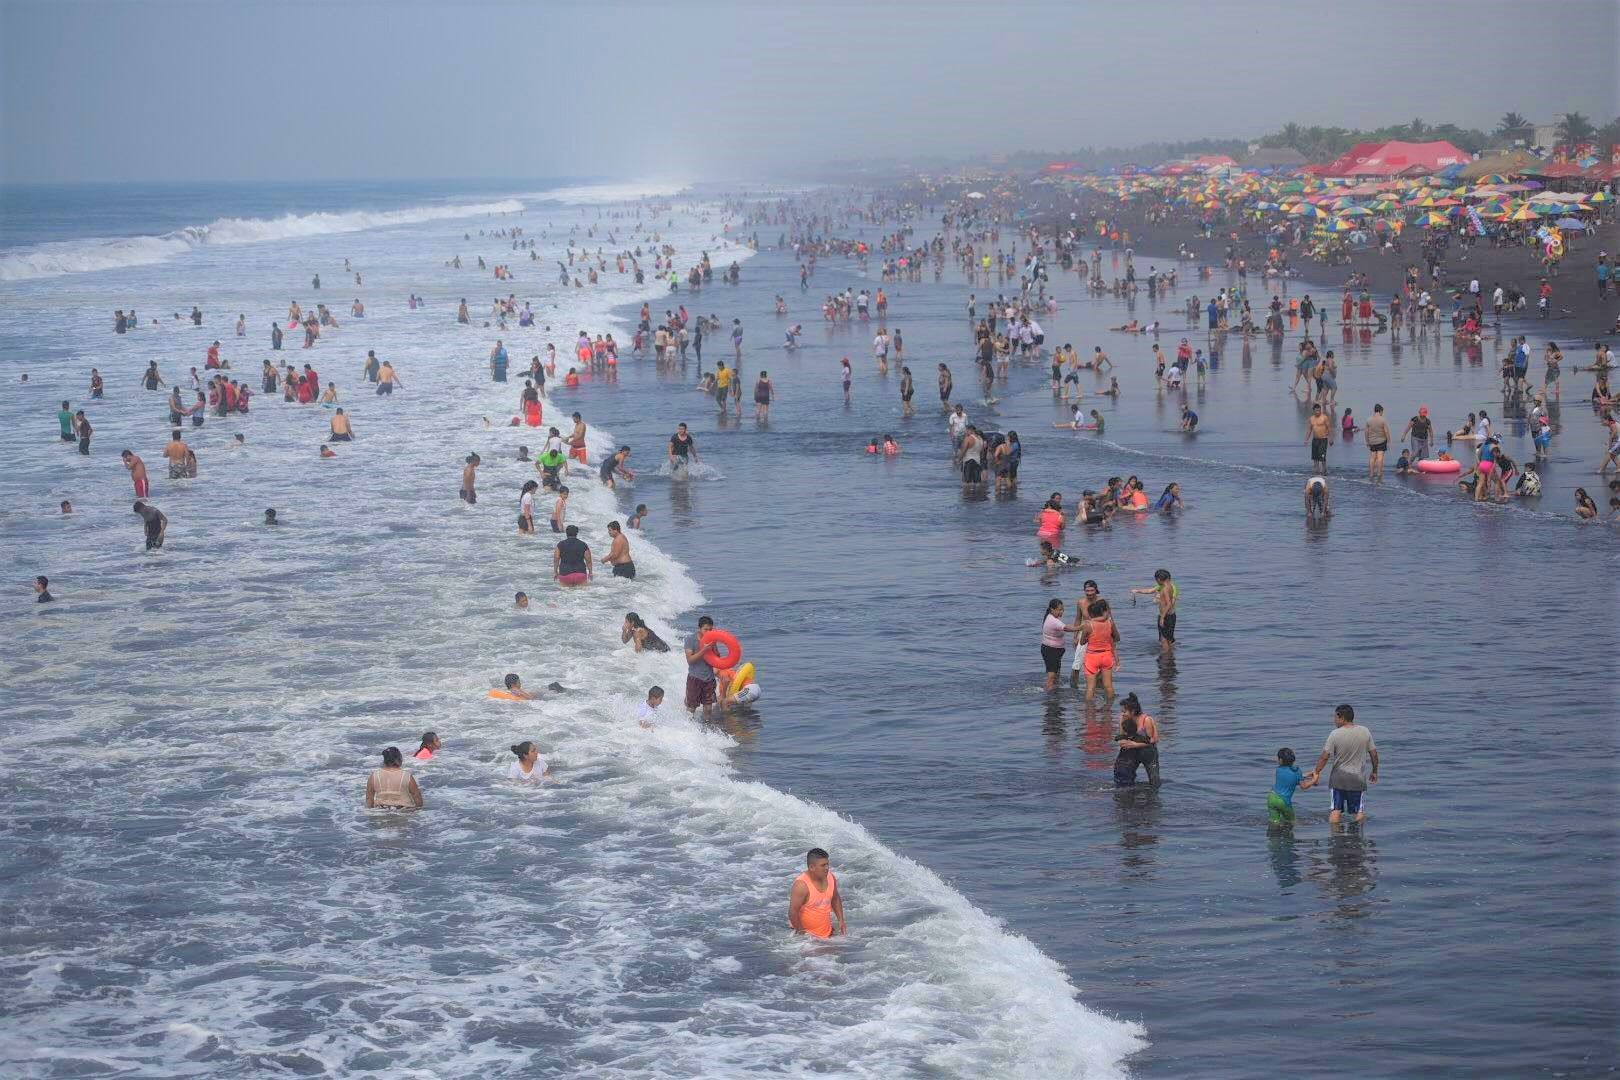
(1578, 313)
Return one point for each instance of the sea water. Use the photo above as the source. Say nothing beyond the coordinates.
(191, 883)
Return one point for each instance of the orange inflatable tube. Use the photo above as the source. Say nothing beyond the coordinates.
(731, 655)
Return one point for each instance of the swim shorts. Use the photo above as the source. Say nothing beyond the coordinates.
(699, 692)
(1348, 802)
(1052, 655)
(468, 496)
(1167, 628)
(1278, 808)
(571, 579)
(1319, 449)
(624, 570)
(1096, 663)
(1378, 448)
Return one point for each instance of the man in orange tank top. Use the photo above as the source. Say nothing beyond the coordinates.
(814, 903)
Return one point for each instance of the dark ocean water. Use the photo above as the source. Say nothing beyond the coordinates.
(210, 901)
(1468, 927)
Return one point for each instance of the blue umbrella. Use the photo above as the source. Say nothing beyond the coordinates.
(1571, 223)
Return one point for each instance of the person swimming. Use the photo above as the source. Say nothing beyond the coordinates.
(634, 631)
(1054, 558)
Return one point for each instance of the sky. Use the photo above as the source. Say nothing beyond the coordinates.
(191, 90)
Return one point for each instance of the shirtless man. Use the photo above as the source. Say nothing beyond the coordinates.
(137, 474)
(1321, 429)
(576, 440)
(469, 478)
(387, 379)
(175, 452)
(1167, 594)
(1377, 435)
(341, 429)
(618, 555)
(814, 905)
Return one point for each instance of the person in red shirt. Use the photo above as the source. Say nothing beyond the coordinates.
(213, 356)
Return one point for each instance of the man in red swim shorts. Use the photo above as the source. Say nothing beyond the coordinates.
(700, 681)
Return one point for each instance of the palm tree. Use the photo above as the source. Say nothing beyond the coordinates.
(1514, 127)
(1417, 127)
(1574, 128)
(1290, 134)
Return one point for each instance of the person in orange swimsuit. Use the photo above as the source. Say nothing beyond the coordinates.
(814, 903)
(1099, 635)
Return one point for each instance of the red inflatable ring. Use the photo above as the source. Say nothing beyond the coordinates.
(713, 657)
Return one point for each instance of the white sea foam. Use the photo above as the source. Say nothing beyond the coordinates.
(214, 902)
(110, 253)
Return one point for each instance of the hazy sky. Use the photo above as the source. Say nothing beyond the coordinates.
(225, 89)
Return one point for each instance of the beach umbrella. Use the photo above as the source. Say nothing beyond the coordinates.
(1355, 211)
(1524, 213)
(1571, 223)
(975, 194)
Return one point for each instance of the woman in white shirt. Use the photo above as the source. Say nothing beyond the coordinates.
(529, 766)
(526, 507)
(1053, 640)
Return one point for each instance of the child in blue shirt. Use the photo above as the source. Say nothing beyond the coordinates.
(1280, 800)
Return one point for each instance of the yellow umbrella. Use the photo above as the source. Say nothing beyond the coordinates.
(1524, 214)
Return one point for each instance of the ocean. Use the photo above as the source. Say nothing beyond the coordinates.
(194, 888)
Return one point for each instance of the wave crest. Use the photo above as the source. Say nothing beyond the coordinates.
(112, 253)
